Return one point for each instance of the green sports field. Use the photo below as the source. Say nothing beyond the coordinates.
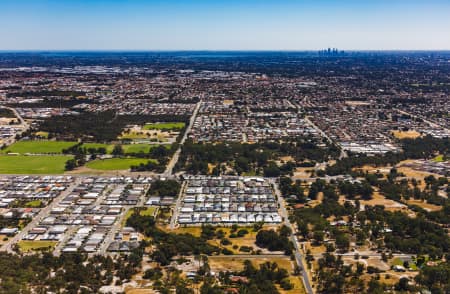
(136, 148)
(128, 148)
(109, 147)
(38, 147)
(22, 164)
(116, 163)
(164, 126)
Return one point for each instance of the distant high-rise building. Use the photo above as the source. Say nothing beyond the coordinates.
(331, 52)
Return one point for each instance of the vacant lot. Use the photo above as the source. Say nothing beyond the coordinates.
(414, 173)
(148, 211)
(195, 231)
(43, 135)
(439, 158)
(233, 263)
(22, 164)
(116, 163)
(236, 263)
(424, 205)
(149, 134)
(406, 134)
(34, 203)
(27, 246)
(38, 147)
(8, 113)
(378, 199)
(246, 240)
(164, 126)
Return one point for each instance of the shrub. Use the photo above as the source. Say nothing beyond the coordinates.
(242, 233)
(286, 284)
(245, 248)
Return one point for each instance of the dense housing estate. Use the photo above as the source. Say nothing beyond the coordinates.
(228, 200)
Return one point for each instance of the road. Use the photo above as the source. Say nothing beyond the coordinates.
(22, 121)
(343, 153)
(246, 256)
(176, 155)
(298, 256)
(25, 126)
(112, 232)
(173, 220)
(67, 235)
(433, 124)
(35, 221)
(364, 253)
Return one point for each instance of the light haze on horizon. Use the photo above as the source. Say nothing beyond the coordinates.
(224, 25)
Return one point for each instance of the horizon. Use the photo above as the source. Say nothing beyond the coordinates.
(217, 50)
(200, 25)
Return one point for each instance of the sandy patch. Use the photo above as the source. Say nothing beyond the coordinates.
(406, 134)
(378, 199)
(427, 206)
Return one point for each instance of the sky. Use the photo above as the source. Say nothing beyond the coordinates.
(224, 24)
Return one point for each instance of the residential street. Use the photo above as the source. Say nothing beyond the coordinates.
(43, 213)
(176, 155)
(298, 255)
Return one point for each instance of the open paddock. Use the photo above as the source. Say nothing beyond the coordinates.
(177, 126)
(234, 263)
(28, 246)
(147, 211)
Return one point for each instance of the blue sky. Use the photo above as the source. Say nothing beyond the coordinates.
(224, 24)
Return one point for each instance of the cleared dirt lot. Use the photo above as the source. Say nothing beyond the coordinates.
(378, 199)
(141, 291)
(424, 205)
(405, 134)
(236, 263)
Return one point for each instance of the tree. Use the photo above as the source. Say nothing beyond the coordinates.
(118, 150)
(318, 236)
(272, 171)
(402, 285)
(435, 278)
(342, 242)
(164, 188)
(366, 191)
(286, 284)
(375, 287)
(71, 164)
(273, 241)
(359, 269)
(285, 231)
